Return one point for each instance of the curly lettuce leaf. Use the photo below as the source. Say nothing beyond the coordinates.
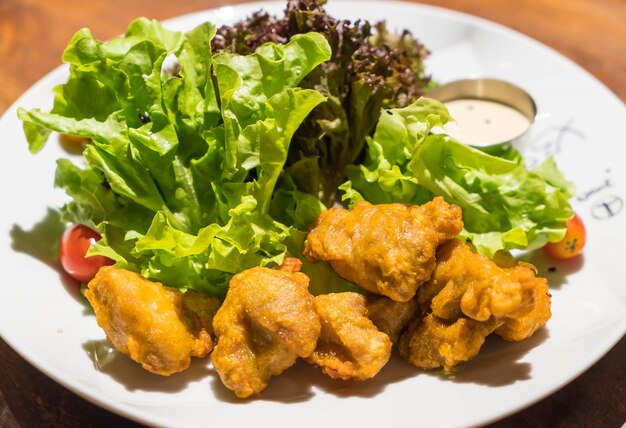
(505, 206)
(367, 71)
(384, 176)
(181, 166)
(292, 206)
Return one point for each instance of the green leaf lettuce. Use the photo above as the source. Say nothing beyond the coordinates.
(505, 206)
(182, 165)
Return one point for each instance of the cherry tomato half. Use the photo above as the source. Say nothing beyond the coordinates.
(573, 242)
(74, 245)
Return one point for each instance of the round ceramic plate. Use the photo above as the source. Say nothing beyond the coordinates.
(579, 122)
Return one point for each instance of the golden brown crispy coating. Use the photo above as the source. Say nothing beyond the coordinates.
(431, 342)
(350, 346)
(387, 249)
(525, 325)
(198, 311)
(266, 322)
(390, 316)
(467, 298)
(468, 283)
(159, 327)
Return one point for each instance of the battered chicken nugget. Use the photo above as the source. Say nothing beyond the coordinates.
(468, 283)
(159, 327)
(390, 316)
(350, 345)
(469, 297)
(387, 249)
(266, 322)
(431, 342)
(522, 326)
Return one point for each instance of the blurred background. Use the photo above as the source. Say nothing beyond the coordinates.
(33, 33)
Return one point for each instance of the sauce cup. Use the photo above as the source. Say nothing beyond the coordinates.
(489, 114)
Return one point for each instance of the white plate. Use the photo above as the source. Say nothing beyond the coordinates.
(580, 122)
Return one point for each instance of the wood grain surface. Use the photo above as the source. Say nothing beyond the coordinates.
(33, 34)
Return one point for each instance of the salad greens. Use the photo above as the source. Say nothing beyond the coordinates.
(504, 205)
(181, 169)
(197, 171)
(367, 71)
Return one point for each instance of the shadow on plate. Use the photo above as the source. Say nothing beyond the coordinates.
(128, 373)
(497, 364)
(299, 383)
(555, 271)
(42, 243)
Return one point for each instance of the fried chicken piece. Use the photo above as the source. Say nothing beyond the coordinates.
(469, 297)
(431, 342)
(390, 316)
(350, 346)
(467, 283)
(525, 325)
(159, 327)
(387, 249)
(266, 322)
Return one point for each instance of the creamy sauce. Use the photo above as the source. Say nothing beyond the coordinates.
(484, 123)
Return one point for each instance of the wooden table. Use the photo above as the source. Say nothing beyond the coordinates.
(33, 34)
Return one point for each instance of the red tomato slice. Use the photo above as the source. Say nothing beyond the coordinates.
(74, 245)
(573, 242)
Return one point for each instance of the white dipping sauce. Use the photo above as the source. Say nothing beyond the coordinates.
(484, 123)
